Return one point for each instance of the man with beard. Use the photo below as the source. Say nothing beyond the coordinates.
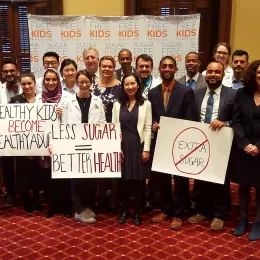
(171, 99)
(239, 64)
(91, 60)
(9, 89)
(193, 78)
(125, 60)
(215, 106)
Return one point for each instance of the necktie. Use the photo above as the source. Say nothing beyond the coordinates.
(93, 79)
(209, 108)
(191, 83)
(13, 87)
(166, 95)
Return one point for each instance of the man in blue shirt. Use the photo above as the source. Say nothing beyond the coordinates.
(239, 63)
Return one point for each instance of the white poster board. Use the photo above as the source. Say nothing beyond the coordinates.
(157, 36)
(86, 151)
(191, 149)
(25, 128)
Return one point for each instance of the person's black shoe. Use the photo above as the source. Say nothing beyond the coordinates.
(49, 214)
(28, 207)
(137, 220)
(67, 214)
(123, 217)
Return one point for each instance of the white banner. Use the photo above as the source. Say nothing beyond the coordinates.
(192, 150)
(25, 128)
(156, 36)
(86, 151)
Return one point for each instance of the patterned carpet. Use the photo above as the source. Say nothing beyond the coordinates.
(31, 236)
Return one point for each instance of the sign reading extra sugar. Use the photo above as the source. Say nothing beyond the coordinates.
(156, 36)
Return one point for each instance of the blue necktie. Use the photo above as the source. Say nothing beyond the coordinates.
(191, 83)
(209, 109)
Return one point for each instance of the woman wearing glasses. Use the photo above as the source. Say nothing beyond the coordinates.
(221, 53)
(83, 108)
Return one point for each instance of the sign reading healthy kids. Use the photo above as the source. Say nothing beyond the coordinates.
(24, 129)
(191, 149)
(86, 151)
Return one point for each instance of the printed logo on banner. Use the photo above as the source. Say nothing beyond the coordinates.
(128, 28)
(153, 35)
(186, 27)
(99, 29)
(41, 28)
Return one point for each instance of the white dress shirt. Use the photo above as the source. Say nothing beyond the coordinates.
(216, 97)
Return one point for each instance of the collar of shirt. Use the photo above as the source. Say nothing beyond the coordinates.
(73, 90)
(170, 86)
(195, 78)
(217, 90)
(235, 80)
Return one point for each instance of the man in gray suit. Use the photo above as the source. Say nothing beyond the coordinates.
(193, 78)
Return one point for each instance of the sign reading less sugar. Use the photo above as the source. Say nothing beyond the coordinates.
(191, 149)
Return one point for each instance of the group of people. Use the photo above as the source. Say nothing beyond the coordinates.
(222, 96)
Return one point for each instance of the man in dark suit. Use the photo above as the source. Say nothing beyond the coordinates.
(215, 106)
(125, 60)
(171, 99)
(193, 78)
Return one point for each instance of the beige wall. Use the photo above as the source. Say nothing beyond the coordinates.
(94, 7)
(245, 32)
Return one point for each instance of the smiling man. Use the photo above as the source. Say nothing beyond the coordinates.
(171, 99)
(193, 78)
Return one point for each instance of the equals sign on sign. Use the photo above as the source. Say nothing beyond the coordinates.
(83, 147)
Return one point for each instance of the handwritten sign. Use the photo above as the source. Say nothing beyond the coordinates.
(24, 129)
(192, 150)
(86, 151)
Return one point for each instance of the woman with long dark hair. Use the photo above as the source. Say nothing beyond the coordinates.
(135, 117)
(247, 136)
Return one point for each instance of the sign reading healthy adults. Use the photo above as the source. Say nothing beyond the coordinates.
(192, 150)
(86, 151)
(24, 129)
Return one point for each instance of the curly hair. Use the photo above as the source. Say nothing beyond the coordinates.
(249, 76)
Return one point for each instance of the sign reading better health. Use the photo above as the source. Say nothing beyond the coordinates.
(24, 129)
(191, 149)
(86, 151)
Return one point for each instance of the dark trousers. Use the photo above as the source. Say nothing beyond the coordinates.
(9, 175)
(214, 199)
(59, 197)
(134, 188)
(83, 193)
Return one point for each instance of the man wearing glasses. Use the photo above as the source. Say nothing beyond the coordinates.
(50, 60)
(11, 87)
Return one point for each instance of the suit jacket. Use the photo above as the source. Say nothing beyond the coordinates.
(144, 123)
(181, 103)
(226, 103)
(72, 113)
(243, 118)
(118, 73)
(200, 83)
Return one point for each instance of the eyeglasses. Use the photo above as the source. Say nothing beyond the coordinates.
(82, 83)
(11, 71)
(48, 63)
(222, 53)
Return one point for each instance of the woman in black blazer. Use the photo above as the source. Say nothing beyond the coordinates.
(246, 127)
